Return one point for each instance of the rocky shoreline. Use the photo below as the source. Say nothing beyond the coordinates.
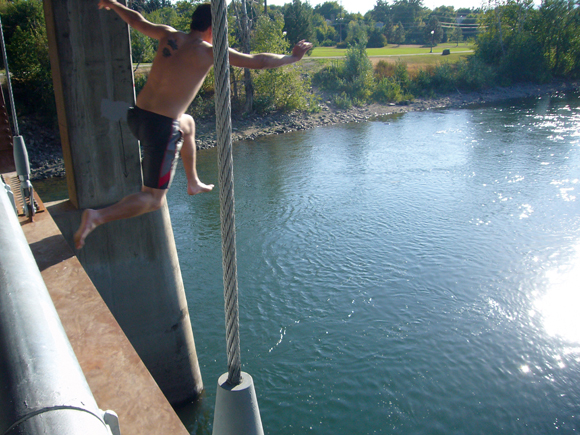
(46, 155)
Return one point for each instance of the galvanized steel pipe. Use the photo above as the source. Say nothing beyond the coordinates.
(42, 387)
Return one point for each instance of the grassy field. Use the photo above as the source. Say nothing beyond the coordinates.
(415, 56)
(394, 50)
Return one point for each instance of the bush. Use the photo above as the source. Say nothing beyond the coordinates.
(376, 39)
(343, 101)
(384, 69)
(421, 82)
(28, 59)
(357, 76)
(523, 61)
(281, 89)
(443, 79)
(474, 75)
(329, 76)
(388, 90)
(401, 75)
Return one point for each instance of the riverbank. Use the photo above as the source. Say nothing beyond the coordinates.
(46, 155)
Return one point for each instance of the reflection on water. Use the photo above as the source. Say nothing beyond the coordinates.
(560, 306)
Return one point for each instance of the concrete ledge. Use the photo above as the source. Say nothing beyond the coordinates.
(116, 375)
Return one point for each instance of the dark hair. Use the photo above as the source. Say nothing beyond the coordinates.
(201, 18)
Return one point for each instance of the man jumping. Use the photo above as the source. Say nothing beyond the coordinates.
(158, 119)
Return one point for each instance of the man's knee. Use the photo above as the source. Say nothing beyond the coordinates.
(187, 124)
(157, 203)
(156, 197)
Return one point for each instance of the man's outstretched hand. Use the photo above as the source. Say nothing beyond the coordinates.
(300, 49)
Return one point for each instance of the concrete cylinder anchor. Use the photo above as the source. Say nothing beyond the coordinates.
(21, 158)
(236, 408)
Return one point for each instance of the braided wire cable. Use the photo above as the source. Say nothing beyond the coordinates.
(226, 186)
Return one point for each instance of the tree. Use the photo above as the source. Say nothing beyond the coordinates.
(558, 25)
(269, 36)
(514, 44)
(329, 10)
(399, 34)
(244, 27)
(184, 10)
(358, 73)
(357, 34)
(297, 22)
(27, 51)
(433, 33)
(148, 6)
(457, 34)
(142, 49)
(325, 34)
(278, 88)
(381, 12)
(376, 38)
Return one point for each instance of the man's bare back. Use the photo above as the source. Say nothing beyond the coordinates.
(181, 64)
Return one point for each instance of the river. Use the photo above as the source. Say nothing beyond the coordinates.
(418, 274)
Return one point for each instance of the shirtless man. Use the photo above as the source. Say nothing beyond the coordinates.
(181, 64)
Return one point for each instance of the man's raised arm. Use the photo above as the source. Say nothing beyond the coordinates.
(268, 60)
(136, 20)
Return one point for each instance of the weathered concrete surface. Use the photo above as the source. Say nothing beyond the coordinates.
(133, 263)
(144, 292)
(116, 375)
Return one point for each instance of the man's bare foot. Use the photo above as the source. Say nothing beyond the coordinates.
(88, 224)
(198, 187)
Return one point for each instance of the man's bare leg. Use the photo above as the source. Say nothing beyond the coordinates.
(194, 185)
(132, 205)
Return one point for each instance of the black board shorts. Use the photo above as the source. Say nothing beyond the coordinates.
(161, 140)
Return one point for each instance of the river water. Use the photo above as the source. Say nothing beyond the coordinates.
(419, 274)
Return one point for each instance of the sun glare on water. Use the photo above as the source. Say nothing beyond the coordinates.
(560, 306)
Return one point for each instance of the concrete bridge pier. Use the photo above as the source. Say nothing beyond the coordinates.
(133, 263)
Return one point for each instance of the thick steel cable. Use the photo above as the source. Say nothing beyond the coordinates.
(8, 81)
(226, 186)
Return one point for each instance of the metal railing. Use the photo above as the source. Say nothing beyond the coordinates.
(42, 387)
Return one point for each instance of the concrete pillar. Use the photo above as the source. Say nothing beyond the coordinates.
(133, 263)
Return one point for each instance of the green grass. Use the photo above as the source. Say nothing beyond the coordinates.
(394, 50)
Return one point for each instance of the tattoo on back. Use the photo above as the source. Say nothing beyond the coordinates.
(173, 44)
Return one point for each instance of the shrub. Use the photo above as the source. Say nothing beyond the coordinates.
(443, 78)
(523, 61)
(401, 74)
(473, 74)
(343, 101)
(388, 90)
(29, 62)
(384, 69)
(281, 89)
(376, 39)
(357, 77)
(421, 82)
